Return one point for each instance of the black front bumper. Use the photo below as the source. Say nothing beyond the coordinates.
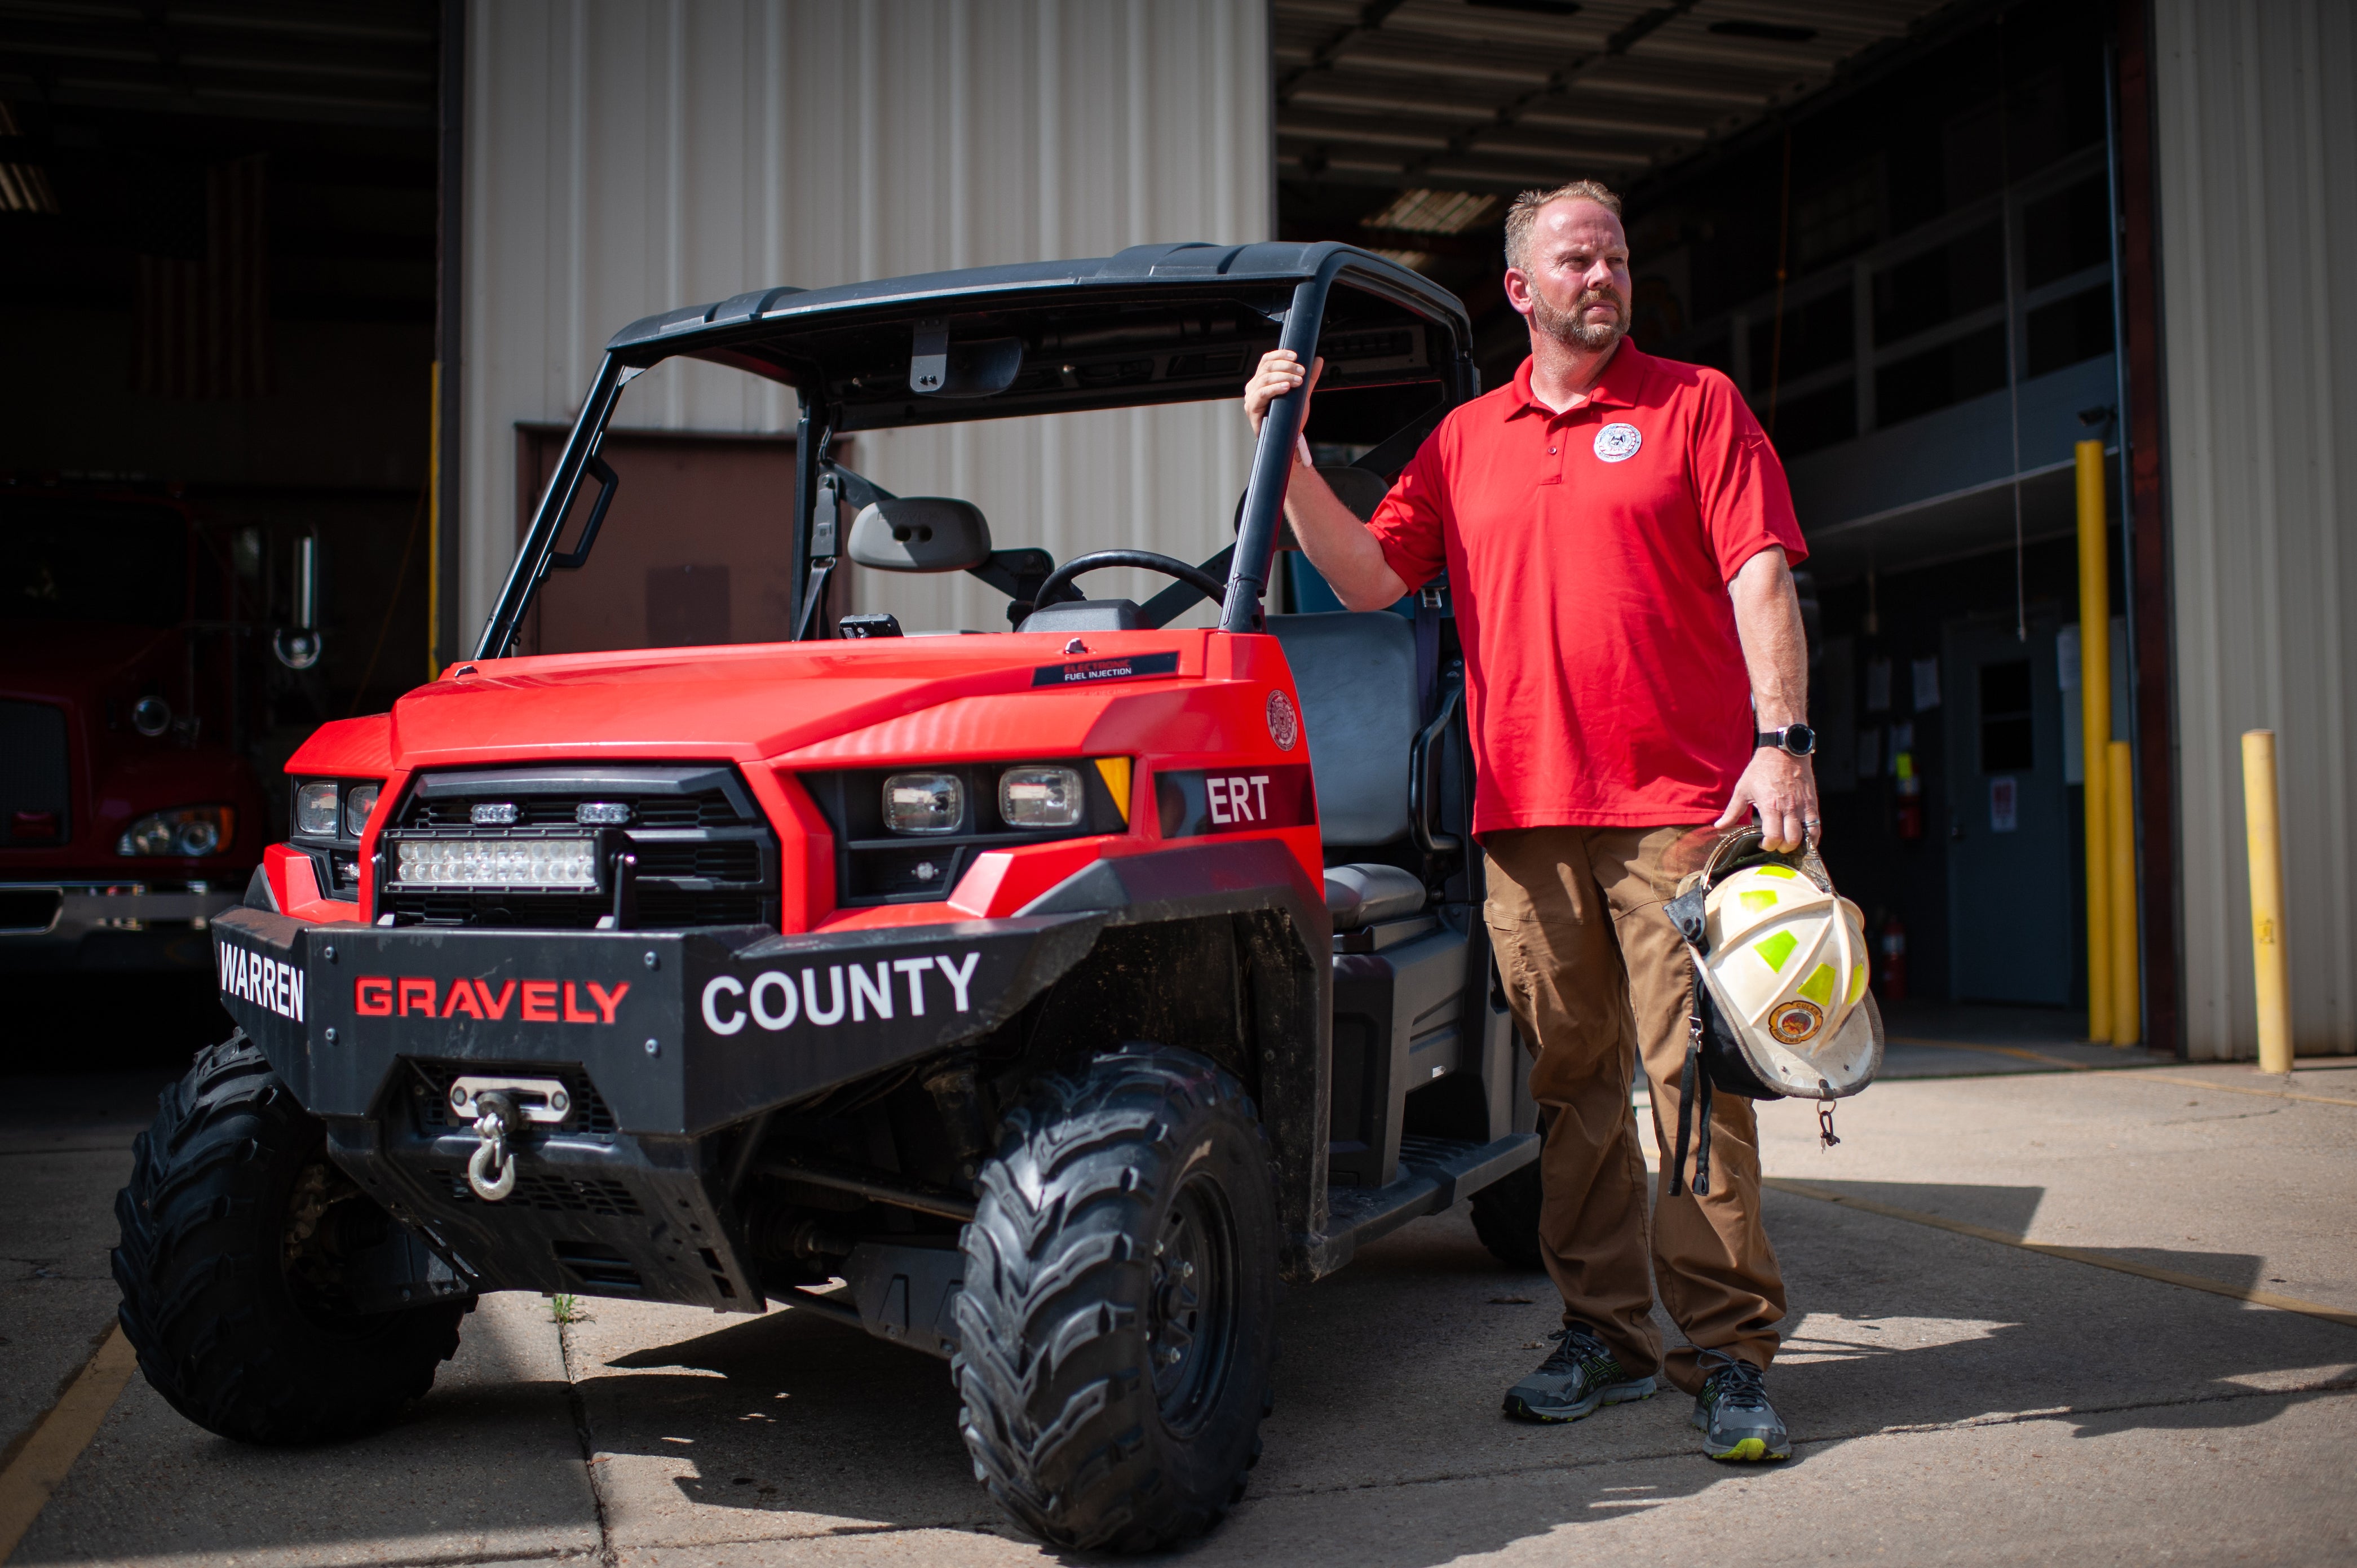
(662, 1039)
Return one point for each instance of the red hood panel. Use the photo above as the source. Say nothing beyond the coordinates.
(747, 703)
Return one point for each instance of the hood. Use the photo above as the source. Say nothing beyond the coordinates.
(745, 702)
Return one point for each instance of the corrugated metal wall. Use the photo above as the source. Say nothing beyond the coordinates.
(2258, 175)
(624, 156)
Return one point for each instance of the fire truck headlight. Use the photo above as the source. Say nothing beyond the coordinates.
(187, 831)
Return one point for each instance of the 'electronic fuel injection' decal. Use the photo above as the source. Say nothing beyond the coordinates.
(1116, 666)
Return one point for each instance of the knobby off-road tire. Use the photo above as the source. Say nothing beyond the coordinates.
(220, 1264)
(1115, 1329)
(1506, 1217)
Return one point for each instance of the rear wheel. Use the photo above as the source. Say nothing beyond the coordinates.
(1114, 1330)
(1506, 1217)
(232, 1227)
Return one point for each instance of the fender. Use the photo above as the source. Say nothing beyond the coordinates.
(1287, 935)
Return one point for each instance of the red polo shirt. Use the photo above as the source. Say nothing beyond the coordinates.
(1590, 553)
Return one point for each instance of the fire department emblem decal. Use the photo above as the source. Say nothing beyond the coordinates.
(1618, 443)
(1284, 726)
(1795, 1021)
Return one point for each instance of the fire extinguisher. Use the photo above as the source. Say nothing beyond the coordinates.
(1892, 980)
(1908, 802)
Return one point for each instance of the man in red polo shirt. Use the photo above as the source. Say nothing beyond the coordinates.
(1619, 536)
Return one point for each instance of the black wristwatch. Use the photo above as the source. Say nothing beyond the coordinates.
(1798, 739)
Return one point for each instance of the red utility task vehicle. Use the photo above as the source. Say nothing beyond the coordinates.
(127, 815)
(1036, 999)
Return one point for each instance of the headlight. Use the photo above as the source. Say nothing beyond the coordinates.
(315, 810)
(497, 862)
(188, 832)
(151, 715)
(359, 801)
(923, 802)
(1040, 797)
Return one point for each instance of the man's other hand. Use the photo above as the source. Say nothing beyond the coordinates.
(1279, 373)
(1783, 789)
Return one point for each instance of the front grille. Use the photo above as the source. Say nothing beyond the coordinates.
(550, 1194)
(704, 854)
(707, 809)
(33, 794)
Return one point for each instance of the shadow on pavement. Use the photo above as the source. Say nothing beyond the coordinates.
(1391, 1372)
(1387, 1446)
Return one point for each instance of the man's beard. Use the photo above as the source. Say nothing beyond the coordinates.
(1574, 333)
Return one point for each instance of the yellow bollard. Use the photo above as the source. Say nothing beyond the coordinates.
(2120, 806)
(2266, 900)
(2095, 730)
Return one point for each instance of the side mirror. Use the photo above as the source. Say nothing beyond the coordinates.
(919, 533)
(297, 646)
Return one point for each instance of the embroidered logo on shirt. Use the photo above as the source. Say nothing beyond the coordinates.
(1617, 443)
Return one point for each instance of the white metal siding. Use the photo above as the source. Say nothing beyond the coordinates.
(2257, 158)
(624, 156)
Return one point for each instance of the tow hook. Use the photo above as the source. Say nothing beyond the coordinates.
(494, 1114)
(500, 1106)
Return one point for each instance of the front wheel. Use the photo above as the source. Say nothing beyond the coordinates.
(234, 1227)
(1115, 1329)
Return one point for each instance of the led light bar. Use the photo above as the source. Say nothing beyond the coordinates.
(497, 862)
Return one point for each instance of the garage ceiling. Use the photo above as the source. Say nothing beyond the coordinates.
(1494, 96)
(114, 117)
(356, 62)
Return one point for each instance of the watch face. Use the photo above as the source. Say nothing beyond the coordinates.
(1800, 740)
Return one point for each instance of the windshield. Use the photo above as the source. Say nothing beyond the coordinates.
(65, 558)
(696, 548)
(1027, 422)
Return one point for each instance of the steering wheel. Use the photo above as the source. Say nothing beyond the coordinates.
(1059, 581)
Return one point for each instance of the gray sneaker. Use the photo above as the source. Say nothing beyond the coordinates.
(1733, 1413)
(1580, 1375)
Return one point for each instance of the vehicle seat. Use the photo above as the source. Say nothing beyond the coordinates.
(1367, 895)
(1355, 672)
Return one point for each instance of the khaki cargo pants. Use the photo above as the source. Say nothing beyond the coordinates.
(1597, 977)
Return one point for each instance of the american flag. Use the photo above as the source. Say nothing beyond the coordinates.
(201, 328)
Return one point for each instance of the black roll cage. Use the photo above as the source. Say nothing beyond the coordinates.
(730, 332)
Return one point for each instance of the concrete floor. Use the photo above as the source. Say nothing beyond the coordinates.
(1955, 1399)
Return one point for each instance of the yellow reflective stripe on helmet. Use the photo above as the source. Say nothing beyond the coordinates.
(1762, 899)
(1775, 948)
(1784, 873)
(1819, 987)
(1857, 984)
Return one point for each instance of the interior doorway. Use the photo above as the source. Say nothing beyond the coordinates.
(2010, 929)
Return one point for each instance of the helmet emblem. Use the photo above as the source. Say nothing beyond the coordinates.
(1794, 1021)
(1283, 726)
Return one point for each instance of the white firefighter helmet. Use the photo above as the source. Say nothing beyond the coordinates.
(1785, 959)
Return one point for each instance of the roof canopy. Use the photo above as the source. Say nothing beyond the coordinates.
(1153, 324)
